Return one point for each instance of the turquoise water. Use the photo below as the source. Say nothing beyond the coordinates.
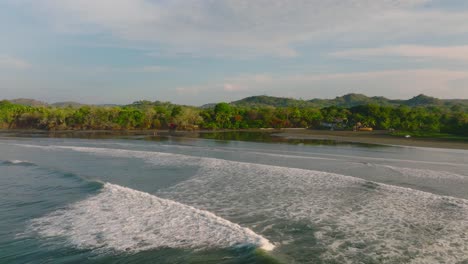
(193, 200)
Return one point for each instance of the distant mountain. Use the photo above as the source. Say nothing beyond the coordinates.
(422, 99)
(264, 100)
(108, 105)
(67, 104)
(208, 106)
(352, 99)
(28, 102)
(36, 103)
(348, 100)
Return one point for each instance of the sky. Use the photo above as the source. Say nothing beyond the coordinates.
(204, 51)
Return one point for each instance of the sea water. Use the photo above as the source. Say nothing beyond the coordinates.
(192, 200)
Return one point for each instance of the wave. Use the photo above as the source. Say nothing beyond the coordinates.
(17, 163)
(123, 219)
(351, 217)
(295, 154)
(427, 174)
(156, 156)
(315, 155)
(172, 159)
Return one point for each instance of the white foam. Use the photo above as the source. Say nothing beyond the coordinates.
(18, 162)
(35, 146)
(310, 154)
(427, 174)
(353, 217)
(124, 219)
(302, 155)
(156, 158)
(291, 156)
(446, 150)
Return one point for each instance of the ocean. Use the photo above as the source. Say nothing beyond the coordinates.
(139, 199)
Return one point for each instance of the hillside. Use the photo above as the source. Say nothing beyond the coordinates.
(67, 104)
(264, 100)
(28, 102)
(348, 100)
(37, 103)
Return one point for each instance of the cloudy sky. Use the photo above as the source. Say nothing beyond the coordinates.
(202, 51)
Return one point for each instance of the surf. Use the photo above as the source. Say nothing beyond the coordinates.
(126, 220)
(17, 163)
(350, 217)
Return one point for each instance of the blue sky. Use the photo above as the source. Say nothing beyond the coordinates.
(202, 51)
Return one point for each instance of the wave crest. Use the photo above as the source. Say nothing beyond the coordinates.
(17, 163)
(123, 219)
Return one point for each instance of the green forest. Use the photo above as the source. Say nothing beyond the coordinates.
(142, 115)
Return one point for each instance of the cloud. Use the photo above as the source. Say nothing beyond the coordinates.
(9, 62)
(397, 84)
(402, 25)
(393, 83)
(457, 53)
(229, 87)
(302, 33)
(242, 28)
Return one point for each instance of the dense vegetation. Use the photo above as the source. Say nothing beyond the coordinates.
(349, 100)
(428, 118)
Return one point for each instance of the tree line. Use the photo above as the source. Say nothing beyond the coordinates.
(160, 115)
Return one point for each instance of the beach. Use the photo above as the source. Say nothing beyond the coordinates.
(364, 137)
(374, 137)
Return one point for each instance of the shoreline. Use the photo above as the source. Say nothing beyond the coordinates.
(374, 137)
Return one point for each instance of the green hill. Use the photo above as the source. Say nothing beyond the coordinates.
(348, 100)
(352, 99)
(67, 104)
(423, 100)
(264, 100)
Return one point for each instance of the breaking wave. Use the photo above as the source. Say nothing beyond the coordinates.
(428, 174)
(17, 163)
(123, 219)
(351, 217)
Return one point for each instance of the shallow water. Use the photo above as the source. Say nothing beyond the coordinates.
(193, 200)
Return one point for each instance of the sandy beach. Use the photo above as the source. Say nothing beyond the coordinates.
(375, 137)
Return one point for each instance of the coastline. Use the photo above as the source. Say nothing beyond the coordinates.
(374, 137)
